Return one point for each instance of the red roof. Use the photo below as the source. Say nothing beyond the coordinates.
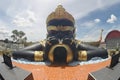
(113, 34)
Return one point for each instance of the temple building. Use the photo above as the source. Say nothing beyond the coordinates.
(112, 40)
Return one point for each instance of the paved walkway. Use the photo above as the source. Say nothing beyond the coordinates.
(55, 72)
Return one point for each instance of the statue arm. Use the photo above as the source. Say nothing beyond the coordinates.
(87, 47)
(32, 53)
(35, 47)
(87, 52)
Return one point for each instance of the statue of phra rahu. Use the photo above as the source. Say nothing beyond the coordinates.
(60, 45)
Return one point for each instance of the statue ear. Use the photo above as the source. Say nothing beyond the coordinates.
(74, 35)
(74, 29)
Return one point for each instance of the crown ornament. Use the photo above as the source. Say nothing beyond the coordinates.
(60, 13)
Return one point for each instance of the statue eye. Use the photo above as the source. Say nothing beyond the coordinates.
(68, 28)
(54, 41)
(52, 32)
(58, 22)
(54, 28)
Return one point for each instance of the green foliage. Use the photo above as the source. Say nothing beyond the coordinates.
(18, 36)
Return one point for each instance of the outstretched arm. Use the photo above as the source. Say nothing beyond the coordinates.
(87, 52)
(35, 47)
(32, 53)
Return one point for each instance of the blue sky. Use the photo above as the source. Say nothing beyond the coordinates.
(30, 16)
(107, 18)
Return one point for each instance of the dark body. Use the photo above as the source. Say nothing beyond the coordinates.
(60, 45)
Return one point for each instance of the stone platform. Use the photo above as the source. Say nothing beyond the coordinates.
(15, 73)
(62, 72)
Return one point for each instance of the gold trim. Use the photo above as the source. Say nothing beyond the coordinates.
(78, 42)
(48, 42)
(69, 52)
(38, 55)
(82, 55)
(61, 28)
(60, 13)
(42, 42)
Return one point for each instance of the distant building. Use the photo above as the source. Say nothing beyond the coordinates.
(112, 40)
(2, 45)
(103, 45)
(10, 45)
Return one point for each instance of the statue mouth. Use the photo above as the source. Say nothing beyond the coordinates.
(60, 53)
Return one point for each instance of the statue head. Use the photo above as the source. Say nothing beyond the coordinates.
(61, 33)
(60, 21)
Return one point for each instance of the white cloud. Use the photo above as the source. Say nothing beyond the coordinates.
(99, 2)
(90, 24)
(97, 20)
(31, 16)
(112, 19)
(88, 6)
(3, 28)
(34, 13)
(4, 31)
(25, 19)
(91, 35)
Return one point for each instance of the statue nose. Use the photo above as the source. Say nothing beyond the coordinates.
(60, 34)
(60, 41)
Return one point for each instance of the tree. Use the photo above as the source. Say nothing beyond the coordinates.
(18, 36)
(21, 34)
(6, 40)
(14, 36)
